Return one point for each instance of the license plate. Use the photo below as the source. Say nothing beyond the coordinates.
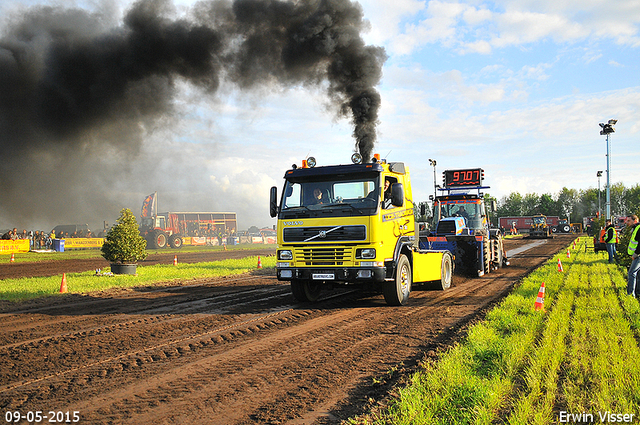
(323, 276)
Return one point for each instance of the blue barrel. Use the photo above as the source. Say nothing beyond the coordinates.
(58, 245)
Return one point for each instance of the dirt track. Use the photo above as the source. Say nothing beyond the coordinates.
(232, 351)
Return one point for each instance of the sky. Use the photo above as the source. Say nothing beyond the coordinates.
(516, 87)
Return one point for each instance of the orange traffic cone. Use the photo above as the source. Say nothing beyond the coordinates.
(225, 247)
(63, 284)
(259, 263)
(13, 258)
(568, 253)
(539, 305)
(175, 260)
(574, 244)
(560, 266)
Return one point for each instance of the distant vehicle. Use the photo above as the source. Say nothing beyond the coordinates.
(562, 226)
(539, 227)
(80, 230)
(169, 228)
(523, 223)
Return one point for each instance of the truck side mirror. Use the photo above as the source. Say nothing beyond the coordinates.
(423, 209)
(273, 202)
(397, 194)
(494, 206)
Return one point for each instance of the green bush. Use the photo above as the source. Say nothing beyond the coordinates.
(124, 244)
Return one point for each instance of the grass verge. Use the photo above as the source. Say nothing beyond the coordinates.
(575, 362)
(72, 254)
(33, 287)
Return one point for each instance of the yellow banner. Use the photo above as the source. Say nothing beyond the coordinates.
(74, 243)
(19, 245)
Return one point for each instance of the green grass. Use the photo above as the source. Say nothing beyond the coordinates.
(28, 257)
(521, 366)
(33, 287)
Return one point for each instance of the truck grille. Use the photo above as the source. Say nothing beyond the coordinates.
(341, 233)
(323, 256)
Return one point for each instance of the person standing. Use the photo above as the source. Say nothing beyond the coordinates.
(611, 238)
(634, 251)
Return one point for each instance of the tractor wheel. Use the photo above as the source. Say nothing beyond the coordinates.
(486, 257)
(159, 239)
(175, 241)
(446, 271)
(397, 291)
(305, 291)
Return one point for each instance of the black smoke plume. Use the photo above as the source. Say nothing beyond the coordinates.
(75, 84)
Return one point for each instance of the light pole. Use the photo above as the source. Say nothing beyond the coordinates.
(607, 129)
(433, 163)
(599, 174)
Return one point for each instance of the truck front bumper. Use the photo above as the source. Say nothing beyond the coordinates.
(338, 275)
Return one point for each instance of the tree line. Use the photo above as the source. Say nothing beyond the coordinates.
(571, 203)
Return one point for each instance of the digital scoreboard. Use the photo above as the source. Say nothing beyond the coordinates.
(463, 178)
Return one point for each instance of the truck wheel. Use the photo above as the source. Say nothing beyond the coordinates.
(175, 241)
(305, 291)
(446, 271)
(397, 291)
(159, 239)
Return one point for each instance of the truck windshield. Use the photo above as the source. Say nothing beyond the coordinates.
(329, 196)
(472, 212)
(539, 220)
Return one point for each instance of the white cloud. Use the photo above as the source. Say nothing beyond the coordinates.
(406, 26)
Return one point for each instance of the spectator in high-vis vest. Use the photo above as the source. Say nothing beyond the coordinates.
(633, 250)
(611, 238)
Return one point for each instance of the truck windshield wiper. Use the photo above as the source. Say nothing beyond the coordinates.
(343, 204)
(296, 208)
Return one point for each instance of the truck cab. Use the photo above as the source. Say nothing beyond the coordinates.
(351, 225)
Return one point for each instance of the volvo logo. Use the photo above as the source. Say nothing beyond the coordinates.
(292, 223)
(322, 234)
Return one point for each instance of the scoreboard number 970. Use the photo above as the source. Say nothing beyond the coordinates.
(466, 177)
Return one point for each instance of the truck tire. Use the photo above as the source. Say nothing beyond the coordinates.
(446, 271)
(159, 239)
(397, 292)
(175, 241)
(305, 291)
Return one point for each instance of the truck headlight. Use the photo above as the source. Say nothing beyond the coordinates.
(366, 253)
(285, 254)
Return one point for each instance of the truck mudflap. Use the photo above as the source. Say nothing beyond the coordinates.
(427, 265)
(338, 275)
(433, 266)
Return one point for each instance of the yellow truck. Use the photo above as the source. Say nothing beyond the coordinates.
(352, 225)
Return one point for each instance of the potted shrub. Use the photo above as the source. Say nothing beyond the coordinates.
(123, 246)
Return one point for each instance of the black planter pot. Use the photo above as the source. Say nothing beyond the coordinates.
(123, 268)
